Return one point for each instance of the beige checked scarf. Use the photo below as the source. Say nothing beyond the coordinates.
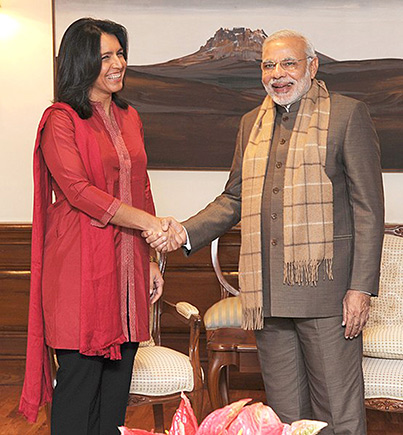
(307, 201)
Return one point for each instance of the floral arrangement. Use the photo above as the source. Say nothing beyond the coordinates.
(233, 419)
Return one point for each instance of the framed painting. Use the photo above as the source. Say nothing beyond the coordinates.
(194, 67)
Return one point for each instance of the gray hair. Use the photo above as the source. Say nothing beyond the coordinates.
(286, 33)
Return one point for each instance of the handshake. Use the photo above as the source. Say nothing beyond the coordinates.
(167, 235)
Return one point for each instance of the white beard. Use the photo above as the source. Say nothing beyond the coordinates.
(300, 88)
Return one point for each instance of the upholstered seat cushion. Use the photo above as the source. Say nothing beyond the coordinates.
(384, 341)
(226, 313)
(160, 371)
(383, 378)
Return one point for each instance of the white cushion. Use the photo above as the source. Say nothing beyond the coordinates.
(383, 378)
(186, 310)
(160, 371)
(226, 313)
(387, 308)
(384, 341)
(383, 335)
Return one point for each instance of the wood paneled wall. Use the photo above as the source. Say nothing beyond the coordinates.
(15, 247)
(191, 279)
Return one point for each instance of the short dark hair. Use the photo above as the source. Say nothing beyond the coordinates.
(79, 62)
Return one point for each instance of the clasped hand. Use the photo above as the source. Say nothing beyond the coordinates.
(171, 236)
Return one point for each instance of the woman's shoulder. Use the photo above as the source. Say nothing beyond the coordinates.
(130, 114)
(132, 111)
(61, 111)
(57, 122)
(59, 115)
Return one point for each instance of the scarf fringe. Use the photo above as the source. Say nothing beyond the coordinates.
(252, 318)
(306, 272)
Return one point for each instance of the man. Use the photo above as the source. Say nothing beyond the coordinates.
(306, 181)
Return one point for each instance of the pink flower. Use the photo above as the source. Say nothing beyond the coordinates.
(184, 421)
(256, 419)
(305, 427)
(218, 421)
(233, 419)
(126, 431)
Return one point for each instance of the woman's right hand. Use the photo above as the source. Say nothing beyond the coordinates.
(163, 234)
(159, 227)
(173, 236)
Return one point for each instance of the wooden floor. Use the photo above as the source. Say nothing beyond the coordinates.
(12, 423)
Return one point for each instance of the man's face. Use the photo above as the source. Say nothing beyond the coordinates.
(287, 85)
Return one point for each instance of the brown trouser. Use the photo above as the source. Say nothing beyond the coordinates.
(311, 371)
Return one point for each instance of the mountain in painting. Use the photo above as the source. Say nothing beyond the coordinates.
(231, 59)
(191, 106)
(240, 43)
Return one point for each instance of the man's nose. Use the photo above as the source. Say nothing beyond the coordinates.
(278, 71)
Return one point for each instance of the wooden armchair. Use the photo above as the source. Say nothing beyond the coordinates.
(160, 374)
(227, 344)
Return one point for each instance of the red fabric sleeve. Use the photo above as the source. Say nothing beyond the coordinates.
(64, 162)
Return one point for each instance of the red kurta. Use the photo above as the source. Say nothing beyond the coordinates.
(124, 162)
(89, 279)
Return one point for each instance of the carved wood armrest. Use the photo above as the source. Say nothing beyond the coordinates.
(184, 315)
(225, 285)
(194, 322)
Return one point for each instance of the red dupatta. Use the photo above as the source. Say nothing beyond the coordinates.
(100, 322)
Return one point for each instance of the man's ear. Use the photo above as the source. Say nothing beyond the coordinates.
(313, 67)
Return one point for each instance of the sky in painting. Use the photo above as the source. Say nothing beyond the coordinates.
(161, 30)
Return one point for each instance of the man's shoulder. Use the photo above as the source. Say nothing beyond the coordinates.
(251, 115)
(343, 102)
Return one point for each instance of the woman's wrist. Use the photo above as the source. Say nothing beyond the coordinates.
(153, 259)
(154, 224)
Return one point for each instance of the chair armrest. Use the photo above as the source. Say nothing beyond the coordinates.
(183, 311)
(186, 310)
(189, 315)
(217, 269)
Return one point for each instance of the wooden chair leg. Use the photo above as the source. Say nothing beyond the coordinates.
(223, 384)
(197, 403)
(217, 383)
(158, 411)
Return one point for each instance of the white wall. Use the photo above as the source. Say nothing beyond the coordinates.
(26, 89)
(183, 193)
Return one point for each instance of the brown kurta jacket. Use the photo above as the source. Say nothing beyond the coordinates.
(353, 166)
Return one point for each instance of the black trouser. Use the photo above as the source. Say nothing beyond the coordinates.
(91, 394)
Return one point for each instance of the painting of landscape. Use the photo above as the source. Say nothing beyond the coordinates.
(194, 67)
(191, 106)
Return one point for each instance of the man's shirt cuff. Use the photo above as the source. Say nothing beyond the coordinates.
(187, 245)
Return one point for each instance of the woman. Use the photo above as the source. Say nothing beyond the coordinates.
(91, 270)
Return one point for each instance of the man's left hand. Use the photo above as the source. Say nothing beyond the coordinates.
(355, 312)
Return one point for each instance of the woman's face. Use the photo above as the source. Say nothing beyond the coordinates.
(113, 69)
